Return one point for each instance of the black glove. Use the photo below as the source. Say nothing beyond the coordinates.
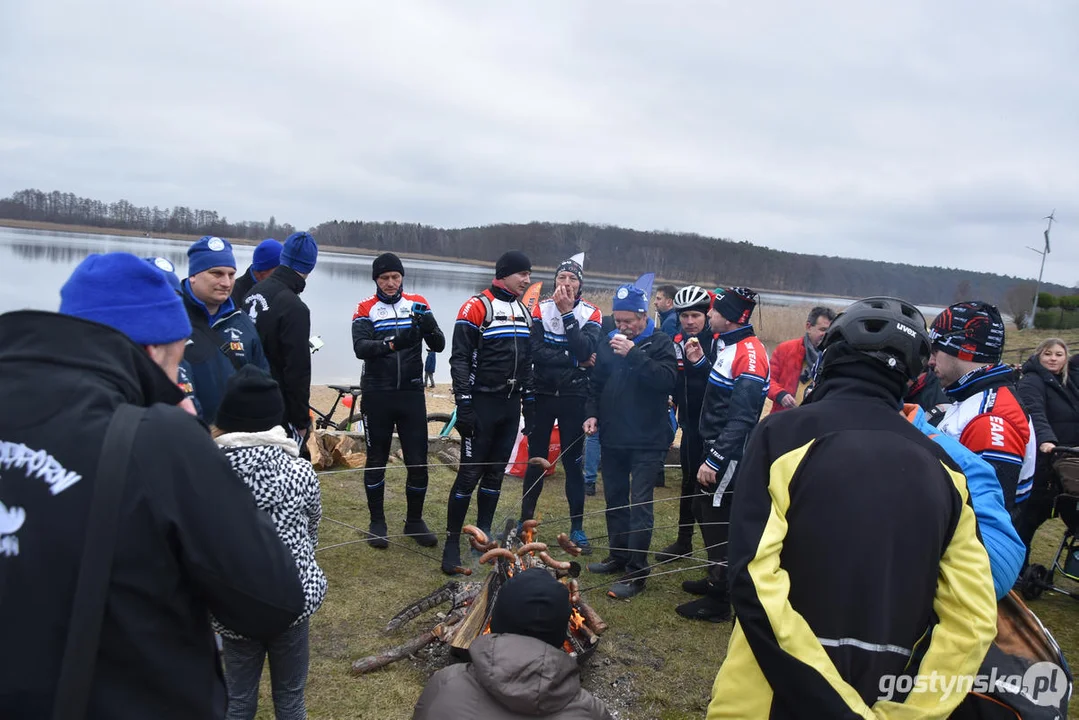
(466, 417)
(528, 410)
(407, 338)
(427, 323)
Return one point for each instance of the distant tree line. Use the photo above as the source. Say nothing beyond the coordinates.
(68, 209)
(678, 257)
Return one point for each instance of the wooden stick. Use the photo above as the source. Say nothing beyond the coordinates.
(374, 662)
(592, 618)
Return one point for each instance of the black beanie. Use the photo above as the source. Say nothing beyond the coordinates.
(252, 402)
(574, 267)
(511, 262)
(384, 263)
(736, 304)
(533, 603)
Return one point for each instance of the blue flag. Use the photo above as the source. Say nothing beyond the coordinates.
(644, 282)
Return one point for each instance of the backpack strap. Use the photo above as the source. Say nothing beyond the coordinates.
(95, 568)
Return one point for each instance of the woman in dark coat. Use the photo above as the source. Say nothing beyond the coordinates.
(1050, 395)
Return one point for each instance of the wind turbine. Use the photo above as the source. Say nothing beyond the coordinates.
(1043, 253)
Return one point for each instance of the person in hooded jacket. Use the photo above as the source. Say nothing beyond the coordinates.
(283, 321)
(565, 333)
(1050, 393)
(223, 338)
(518, 670)
(389, 330)
(285, 487)
(264, 260)
(189, 542)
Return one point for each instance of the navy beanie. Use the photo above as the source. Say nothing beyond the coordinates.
(630, 298)
(128, 294)
(511, 263)
(736, 305)
(384, 263)
(267, 255)
(533, 603)
(209, 252)
(300, 252)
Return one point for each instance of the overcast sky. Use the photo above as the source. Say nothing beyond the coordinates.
(897, 131)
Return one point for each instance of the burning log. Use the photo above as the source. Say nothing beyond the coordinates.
(382, 659)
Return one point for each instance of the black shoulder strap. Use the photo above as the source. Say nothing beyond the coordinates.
(91, 589)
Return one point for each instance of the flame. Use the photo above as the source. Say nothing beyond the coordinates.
(567, 647)
(487, 628)
(576, 620)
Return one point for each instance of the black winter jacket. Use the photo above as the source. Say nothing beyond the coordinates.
(692, 379)
(492, 354)
(629, 395)
(378, 320)
(1053, 407)
(284, 324)
(190, 539)
(242, 286)
(560, 343)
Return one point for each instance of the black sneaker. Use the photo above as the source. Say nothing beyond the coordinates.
(697, 587)
(590, 489)
(377, 537)
(673, 551)
(418, 531)
(607, 566)
(707, 609)
(626, 589)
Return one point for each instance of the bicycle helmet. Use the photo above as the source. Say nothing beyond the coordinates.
(692, 297)
(887, 329)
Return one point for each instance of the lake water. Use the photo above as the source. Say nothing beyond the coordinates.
(34, 264)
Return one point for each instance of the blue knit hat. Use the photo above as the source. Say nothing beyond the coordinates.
(209, 252)
(300, 252)
(165, 265)
(630, 298)
(267, 255)
(126, 293)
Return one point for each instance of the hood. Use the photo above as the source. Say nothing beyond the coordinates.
(523, 674)
(262, 467)
(72, 351)
(276, 437)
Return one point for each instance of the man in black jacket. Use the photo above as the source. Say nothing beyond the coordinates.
(565, 333)
(695, 347)
(190, 540)
(284, 324)
(737, 387)
(264, 261)
(491, 368)
(388, 332)
(627, 402)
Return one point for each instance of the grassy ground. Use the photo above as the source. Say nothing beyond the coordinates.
(650, 664)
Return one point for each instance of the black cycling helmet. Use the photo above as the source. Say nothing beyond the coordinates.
(887, 329)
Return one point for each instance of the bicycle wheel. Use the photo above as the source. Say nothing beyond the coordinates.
(442, 425)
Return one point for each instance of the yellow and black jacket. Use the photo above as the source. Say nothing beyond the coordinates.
(853, 555)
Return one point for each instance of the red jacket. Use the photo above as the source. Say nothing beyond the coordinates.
(786, 365)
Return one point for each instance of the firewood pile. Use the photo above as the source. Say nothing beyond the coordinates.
(471, 602)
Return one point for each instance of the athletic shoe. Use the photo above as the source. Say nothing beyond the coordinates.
(578, 538)
(607, 566)
(377, 537)
(626, 590)
(673, 551)
(697, 587)
(707, 609)
(590, 489)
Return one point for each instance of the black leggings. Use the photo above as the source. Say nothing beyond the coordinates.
(715, 529)
(382, 411)
(569, 411)
(690, 456)
(483, 459)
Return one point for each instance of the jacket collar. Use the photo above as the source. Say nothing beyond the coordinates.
(200, 309)
(104, 354)
(289, 278)
(501, 293)
(980, 380)
(733, 336)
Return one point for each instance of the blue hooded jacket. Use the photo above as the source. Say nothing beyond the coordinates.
(1001, 541)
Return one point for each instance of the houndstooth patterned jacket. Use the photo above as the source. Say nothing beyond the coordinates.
(286, 487)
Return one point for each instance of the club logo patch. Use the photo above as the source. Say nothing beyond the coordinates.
(216, 244)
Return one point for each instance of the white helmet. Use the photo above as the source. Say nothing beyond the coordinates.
(692, 297)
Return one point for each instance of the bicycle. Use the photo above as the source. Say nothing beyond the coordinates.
(442, 425)
(324, 421)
